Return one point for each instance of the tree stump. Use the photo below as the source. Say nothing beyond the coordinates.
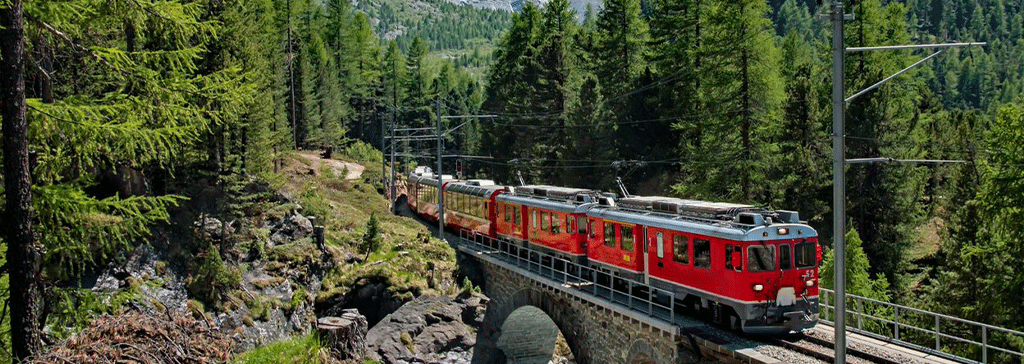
(345, 335)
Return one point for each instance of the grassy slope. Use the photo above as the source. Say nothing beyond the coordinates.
(344, 206)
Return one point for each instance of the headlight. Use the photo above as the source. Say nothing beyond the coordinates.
(783, 231)
(810, 283)
(758, 287)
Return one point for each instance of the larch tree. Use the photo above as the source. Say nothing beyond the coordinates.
(738, 95)
(24, 254)
(119, 90)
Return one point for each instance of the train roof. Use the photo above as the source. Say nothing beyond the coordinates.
(475, 187)
(720, 219)
(556, 198)
(430, 179)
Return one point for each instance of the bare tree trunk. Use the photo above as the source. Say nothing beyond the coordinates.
(23, 256)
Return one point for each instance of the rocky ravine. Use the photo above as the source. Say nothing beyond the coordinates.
(275, 299)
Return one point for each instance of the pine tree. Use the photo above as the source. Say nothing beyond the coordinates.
(133, 94)
(858, 280)
(372, 239)
(24, 254)
(738, 92)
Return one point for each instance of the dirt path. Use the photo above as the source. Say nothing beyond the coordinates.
(354, 171)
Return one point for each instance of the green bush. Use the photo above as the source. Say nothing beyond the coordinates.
(209, 278)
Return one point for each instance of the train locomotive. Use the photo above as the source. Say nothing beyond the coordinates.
(752, 269)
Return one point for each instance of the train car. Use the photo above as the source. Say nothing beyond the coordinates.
(422, 192)
(470, 206)
(546, 218)
(752, 269)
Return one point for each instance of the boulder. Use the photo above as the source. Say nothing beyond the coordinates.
(423, 329)
(302, 226)
(474, 309)
(345, 335)
(211, 227)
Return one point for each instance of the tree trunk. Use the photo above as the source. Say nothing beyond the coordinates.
(23, 256)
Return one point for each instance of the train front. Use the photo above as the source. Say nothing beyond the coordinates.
(781, 256)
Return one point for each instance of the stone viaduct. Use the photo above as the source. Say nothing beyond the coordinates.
(527, 312)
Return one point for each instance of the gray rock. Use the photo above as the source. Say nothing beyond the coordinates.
(279, 238)
(474, 310)
(423, 330)
(212, 227)
(302, 226)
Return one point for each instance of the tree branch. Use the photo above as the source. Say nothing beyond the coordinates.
(69, 41)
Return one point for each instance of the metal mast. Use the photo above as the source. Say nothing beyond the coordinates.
(839, 160)
(839, 177)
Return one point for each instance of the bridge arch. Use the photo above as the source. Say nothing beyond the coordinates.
(522, 329)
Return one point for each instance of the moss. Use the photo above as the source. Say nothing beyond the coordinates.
(160, 267)
(300, 252)
(407, 341)
(263, 283)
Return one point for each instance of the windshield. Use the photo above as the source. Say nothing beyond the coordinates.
(760, 258)
(805, 255)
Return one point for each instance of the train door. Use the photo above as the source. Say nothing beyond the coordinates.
(647, 259)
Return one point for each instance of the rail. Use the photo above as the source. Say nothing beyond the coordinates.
(627, 293)
(947, 336)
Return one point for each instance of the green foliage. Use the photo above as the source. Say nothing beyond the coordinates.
(75, 308)
(362, 152)
(372, 240)
(210, 279)
(468, 288)
(858, 280)
(303, 349)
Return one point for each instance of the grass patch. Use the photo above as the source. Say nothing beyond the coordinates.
(303, 349)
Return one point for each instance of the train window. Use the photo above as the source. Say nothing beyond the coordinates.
(554, 223)
(661, 246)
(592, 229)
(568, 224)
(680, 249)
(544, 221)
(784, 257)
(515, 216)
(533, 219)
(760, 258)
(728, 258)
(609, 235)
(581, 225)
(702, 253)
(508, 213)
(627, 238)
(805, 255)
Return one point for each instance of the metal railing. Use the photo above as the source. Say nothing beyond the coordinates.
(950, 337)
(626, 293)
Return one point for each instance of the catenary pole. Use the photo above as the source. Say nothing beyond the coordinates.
(839, 177)
(394, 124)
(440, 176)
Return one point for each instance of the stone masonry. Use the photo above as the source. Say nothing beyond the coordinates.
(518, 325)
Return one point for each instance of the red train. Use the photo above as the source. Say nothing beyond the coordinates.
(750, 268)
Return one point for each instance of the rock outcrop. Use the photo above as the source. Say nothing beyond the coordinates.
(428, 330)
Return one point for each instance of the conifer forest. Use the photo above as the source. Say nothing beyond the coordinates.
(118, 115)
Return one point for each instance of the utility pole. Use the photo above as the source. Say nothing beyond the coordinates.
(440, 176)
(839, 161)
(839, 177)
(394, 122)
(383, 155)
